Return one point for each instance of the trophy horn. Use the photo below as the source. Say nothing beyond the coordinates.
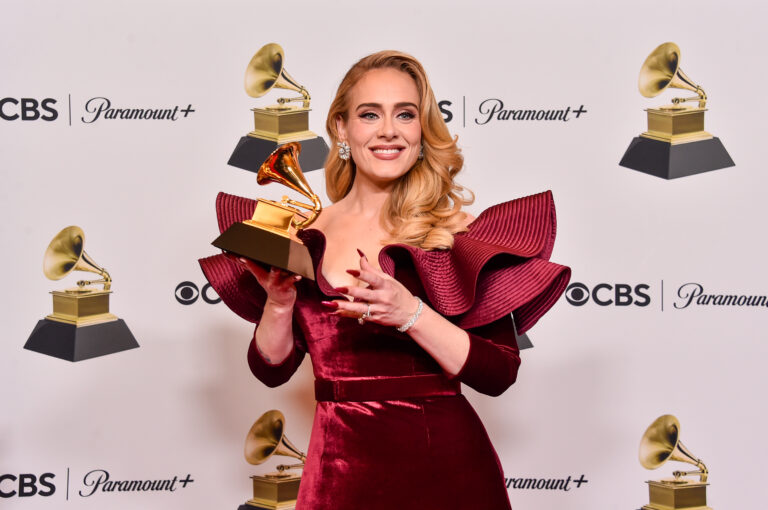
(267, 438)
(266, 71)
(66, 253)
(661, 70)
(661, 442)
(282, 167)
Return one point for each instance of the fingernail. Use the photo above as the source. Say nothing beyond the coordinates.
(361, 253)
(342, 290)
(329, 304)
(297, 277)
(241, 259)
(353, 272)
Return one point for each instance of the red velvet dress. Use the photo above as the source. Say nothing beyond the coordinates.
(391, 429)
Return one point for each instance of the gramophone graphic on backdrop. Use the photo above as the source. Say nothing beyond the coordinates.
(277, 124)
(277, 490)
(661, 443)
(80, 326)
(675, 144)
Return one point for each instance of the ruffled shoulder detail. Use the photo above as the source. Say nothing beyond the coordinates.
(231, 209)
(235, 286)
(499, 266)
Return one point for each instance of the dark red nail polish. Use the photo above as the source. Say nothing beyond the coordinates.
(342, 290)
(330, 304)
(362, 254)
(354, 272)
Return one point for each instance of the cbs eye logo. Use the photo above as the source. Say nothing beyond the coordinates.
(605, 294)
(187, 293)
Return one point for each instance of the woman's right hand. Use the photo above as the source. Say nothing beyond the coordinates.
(279, 284)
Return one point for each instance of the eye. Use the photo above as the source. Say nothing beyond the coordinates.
(369, 116)
(186, 293)
(406, 115)
(206, 295)
(577, 294)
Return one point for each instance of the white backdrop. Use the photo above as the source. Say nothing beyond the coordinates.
(143, 191)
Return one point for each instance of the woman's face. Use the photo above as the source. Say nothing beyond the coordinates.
(383, 128)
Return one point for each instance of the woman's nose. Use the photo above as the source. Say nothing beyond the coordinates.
(387, 128)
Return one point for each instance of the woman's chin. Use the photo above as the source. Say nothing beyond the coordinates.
(385, 171)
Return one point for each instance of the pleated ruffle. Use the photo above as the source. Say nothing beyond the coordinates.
(499, 266)
(232, 282)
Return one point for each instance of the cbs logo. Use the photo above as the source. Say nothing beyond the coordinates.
(28, 108)
(605, 294)
(187, 293)
(444, 106)
(26, 485)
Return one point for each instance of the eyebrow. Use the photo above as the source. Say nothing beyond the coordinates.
(379, 105)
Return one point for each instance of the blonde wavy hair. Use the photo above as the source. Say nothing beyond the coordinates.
(424, 208)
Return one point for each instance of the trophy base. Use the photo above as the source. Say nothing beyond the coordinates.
(676, 124)
(661, 507)
(273, 493)
(81, 307)
(76, 343)
(524, 342)
(671, 161)
(251, 152)
(250, 506)
(267, 247)
(687, 495)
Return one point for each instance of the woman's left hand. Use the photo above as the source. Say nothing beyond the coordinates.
(385, 300)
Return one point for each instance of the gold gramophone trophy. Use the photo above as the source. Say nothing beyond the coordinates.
(660, 443)
(277, 490)
(80, 326)
(270, 235)
(279, 123)
(675, 144)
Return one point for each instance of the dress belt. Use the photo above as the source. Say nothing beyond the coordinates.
(385, 388)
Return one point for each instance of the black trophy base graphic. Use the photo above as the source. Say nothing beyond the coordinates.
(523, 341)
(251, 152)
(73, 343)
(669, 161)
(251, 506)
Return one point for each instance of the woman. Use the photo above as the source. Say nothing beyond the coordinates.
(412, 297)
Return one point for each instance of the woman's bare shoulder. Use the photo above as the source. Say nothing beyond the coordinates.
(324, 218)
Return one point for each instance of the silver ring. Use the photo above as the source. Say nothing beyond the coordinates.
(367, 314)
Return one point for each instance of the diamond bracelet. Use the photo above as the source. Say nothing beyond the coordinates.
(414, 317)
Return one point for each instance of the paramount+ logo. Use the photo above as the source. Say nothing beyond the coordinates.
(494, 110)
(609, 294)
